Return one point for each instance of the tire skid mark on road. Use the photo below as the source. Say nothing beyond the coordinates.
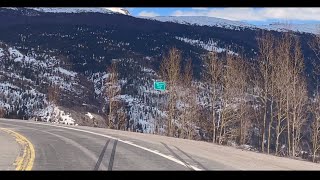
(96, 168)
(112, 155)
(123, 141)
(70, 141)
(198, 163)
(86, 151)
(177, 156)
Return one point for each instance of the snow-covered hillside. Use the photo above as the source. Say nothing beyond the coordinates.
(80, 10)
(203, 21)
(236, 25)
(118, 10)
(210, 45)
(303, 28)
(191, 20)
(54, 114)
(25, 78)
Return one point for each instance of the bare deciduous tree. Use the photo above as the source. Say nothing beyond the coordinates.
(266, 55)
(2, 112)
(283, 76)
(240, 82)
(212, 76)
(234, 123)
(298, 96)
(170, 72)
(315, 126)
(315, 45)
(53, 94)
(315, 102)
(122, 119)
(190, 112)
(112, 91)
(186, 81)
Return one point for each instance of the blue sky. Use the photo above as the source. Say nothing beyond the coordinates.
(250, 15)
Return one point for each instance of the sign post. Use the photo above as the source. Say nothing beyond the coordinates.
(160, 86)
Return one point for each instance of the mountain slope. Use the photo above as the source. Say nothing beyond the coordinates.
(73, 51)
(203, 21)
(119, 10)
(83, 10)
(237, 25)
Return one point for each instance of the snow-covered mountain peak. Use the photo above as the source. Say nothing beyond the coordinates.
(118, 10)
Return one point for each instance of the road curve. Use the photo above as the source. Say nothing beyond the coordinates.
(62, 147)
(24, 161)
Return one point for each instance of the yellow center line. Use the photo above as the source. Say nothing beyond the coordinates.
(25, 161)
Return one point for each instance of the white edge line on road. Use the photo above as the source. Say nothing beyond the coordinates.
(169, 157)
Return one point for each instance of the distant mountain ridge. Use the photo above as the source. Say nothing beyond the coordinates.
(107, 10)
(313, 28)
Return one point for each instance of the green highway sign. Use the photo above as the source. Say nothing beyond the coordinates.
(158, 85)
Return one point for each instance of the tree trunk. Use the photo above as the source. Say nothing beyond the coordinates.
(277, 139)
(214, 128)
(288, 125)
(109, 115)
(221, 128)
(213, 117)
(264, 127)
(294, 138)
(219, 121)
(270, 125)
(240, 133)
(278, 129)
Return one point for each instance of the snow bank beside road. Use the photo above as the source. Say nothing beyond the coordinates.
(55, 115)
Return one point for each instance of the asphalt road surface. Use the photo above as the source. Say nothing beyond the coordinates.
(62, 147)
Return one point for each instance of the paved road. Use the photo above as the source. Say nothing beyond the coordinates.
(62, 147)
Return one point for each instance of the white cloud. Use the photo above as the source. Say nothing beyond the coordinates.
(255, 14)
(148, 14)
(200, 8)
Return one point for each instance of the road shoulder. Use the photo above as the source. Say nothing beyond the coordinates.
(16, 152)
(9, 151)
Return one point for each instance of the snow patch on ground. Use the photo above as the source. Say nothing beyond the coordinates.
(53, 114)
(89, 115)
(148, 70)
(15, 54)
(209, 46)
(66, 72)
(1, 52)
(7, 85)
(129, 99)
